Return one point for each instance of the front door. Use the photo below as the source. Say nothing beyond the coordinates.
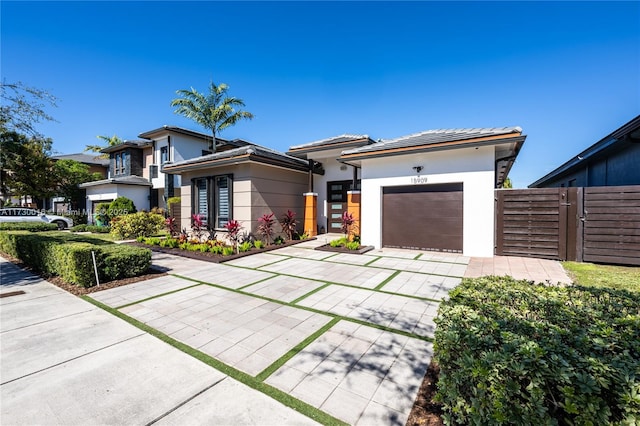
(336, 204)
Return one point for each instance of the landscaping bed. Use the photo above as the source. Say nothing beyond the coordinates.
(342, 249)
(214, 257)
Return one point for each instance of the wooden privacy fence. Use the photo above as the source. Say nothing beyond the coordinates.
(597, 224)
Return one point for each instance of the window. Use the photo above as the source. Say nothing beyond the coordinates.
(164, 154)
(153, 171)
(212, 199)
(120, 159)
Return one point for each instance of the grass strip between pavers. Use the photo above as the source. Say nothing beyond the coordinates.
(156, 296)
(304, 296)
(283, 397)
(375, 258)
(264, 374)
(411, 296)
(418, 257)
(389, 278)
(316, 311)
(259, 281)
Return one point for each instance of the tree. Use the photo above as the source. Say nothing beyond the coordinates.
(214, 111)
(69, 174)
(23, 107)
(25, 165)
(507, 183)
(110, 141)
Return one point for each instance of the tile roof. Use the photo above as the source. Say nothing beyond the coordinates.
(83, 158)
(124, 180)
(330, 141)
(243, 151)
(432, 137)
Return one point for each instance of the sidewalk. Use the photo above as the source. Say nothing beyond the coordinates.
(65, 361)
(520, 268)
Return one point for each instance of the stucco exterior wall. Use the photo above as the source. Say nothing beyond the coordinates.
(475, 168)
(138, 194)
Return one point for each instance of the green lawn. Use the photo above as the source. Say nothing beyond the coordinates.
(616, 277)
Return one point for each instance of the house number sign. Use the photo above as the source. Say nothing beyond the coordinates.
(418, 180)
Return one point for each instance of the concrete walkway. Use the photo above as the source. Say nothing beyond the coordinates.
(521, 268)
(64, 361)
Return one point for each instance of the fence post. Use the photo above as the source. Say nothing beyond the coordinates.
(499, 209)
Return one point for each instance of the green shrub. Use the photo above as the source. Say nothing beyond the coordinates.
(278, 240)
(69, 256)
(227, 251)
(340, 242)
(217, 249)
(244, 247)
(91, 228)
(352, 245)
(169, 242)
(141, 224)
(512, 352)
(258, 244)
(152, 241)
(28, 226)
(121, 206)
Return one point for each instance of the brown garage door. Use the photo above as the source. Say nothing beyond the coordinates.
(426, 217)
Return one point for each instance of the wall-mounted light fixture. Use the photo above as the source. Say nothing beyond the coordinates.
(418, 169)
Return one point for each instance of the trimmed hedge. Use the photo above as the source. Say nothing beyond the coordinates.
(69, 256)
(91, 228)
(28, 226)
(514, 352)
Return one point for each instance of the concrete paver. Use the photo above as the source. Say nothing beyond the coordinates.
(395, 311)
(302, 253)
(425, 267)
(138, 291)
(355, 372)
(227, 276)
(350, 259)
(422, 285)
(242, 331)
(333, 272)
(528, 268)
(284, 288)
(255, 260)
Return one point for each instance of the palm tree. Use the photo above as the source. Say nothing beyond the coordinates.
(214, 111)
(110, 141)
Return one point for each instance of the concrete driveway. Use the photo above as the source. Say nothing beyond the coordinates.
(65, 361)
(347, 334)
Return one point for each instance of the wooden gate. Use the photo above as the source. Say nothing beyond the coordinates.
(597, 224)
(612, 225)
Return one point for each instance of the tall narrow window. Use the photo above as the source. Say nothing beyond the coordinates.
(223, 201)
(118, 164)
(200, 199)
(164, 154)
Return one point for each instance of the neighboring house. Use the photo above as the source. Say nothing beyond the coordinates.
(432, 190)
(612, 161)
(135, 167)
(96, 163)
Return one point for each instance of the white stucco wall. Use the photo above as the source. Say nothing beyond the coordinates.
(138, 194)
(183, 147)
(473, 167)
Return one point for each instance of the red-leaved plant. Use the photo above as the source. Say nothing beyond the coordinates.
(172, 226)
(233, 232)
(289, 223)
(348, 225)
(198, 226)
(265, 227)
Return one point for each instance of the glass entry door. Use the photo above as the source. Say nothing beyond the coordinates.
(336, 204)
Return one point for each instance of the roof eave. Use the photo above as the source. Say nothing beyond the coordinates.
(219, 162)
(430, 148)
(328, 146)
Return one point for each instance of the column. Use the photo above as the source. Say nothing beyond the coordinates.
(353, 207)
(310, 214)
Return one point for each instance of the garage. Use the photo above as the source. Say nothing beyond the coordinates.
(425, 217)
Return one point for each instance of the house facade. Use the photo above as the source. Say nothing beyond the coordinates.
(612, 161)
(432, 190)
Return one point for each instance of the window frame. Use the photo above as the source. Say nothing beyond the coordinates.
(164, 152)
(212, 194)
(118, 168)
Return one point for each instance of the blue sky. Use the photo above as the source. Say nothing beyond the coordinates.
(567, 73)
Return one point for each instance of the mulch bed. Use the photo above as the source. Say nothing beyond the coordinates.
(216, 258)
(342, 249)
(425, 411)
